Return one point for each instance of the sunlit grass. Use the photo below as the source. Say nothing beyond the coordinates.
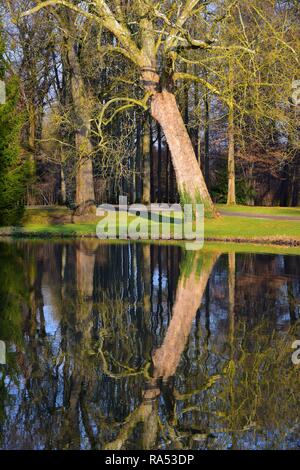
(39, 223)
(261, 210)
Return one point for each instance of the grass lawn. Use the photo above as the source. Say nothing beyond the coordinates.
(55, 222)
(260, 210)
(240, 227)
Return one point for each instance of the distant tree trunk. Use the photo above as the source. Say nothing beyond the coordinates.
(32, 153)
(146, 198)
(152, 179)
(167, 174)
(231, 196)
(206, 139)
(132, 185)
(172, 195)
(138, 165)
(185, 98)
(159, 158)
(295, 193)
(63, 191)
(197, 131)
(295, 187)
(32, 128)
(285, 186)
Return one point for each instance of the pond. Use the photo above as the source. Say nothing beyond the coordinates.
(137, 346)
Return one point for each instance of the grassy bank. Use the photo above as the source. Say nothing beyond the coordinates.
(56, 222)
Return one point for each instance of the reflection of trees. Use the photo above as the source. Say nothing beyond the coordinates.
(76, 342)
(102, 353)
(189, 293)
(196, 270)
(12, 291)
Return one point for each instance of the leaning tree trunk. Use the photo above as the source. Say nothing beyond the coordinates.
(190, 181)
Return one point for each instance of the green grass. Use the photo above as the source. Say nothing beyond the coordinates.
(46, 223)
(45, 216)
(240, 227)
(223, 227)
(281, 211)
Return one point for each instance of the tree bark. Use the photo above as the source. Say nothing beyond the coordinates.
(85, 194)
(190, 181)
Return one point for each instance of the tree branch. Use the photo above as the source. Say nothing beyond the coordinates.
(65, 3)
(106, 18)
(182, 18)
(195, 78)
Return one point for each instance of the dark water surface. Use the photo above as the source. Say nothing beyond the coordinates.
(146, 347)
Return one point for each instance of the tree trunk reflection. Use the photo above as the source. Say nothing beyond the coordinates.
(194, 274)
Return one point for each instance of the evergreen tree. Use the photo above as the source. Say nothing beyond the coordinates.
(12, 172)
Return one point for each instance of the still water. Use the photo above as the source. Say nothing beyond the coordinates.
(135, 346)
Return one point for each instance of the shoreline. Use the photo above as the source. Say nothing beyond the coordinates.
(14, 233)
(260, 226)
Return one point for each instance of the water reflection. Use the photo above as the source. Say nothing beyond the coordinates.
(136, 346)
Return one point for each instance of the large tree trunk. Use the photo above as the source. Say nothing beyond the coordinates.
(85, 194)
(190, 181)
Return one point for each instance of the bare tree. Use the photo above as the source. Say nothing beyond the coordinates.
(162, 30)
